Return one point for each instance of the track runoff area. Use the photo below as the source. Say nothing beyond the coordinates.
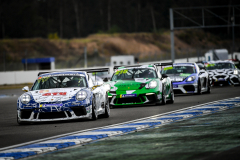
(93, 135)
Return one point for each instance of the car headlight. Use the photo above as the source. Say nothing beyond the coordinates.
(153, 84)
(107, 87)
(25, 98)
(192, 78)
(81, 95)
(235, 72)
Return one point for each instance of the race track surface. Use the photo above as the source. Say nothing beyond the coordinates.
(11, 133)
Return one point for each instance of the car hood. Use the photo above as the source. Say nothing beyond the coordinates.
(135, 84)
(54, 95)
(179, 77)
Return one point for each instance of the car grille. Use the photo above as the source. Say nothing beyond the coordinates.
(79, 111)
(177, 91)
(220, 77)
(51, 115)
(189, 88)
(151, 98)
(26, 113)
(128, 100)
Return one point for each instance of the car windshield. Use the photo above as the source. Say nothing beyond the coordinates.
(59, 82)
(213, 66)
(179, 70)
(132, 73)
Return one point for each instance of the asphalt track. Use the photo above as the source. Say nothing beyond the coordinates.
(11, 133)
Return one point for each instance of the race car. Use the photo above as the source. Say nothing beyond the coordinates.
(187, 78)
(223, 72)
(64, 95)
(203, 69)
(138, 85)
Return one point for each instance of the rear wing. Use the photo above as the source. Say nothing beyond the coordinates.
(116, 67)
(83, 70)
(163, 64)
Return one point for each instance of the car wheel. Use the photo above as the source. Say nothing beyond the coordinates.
(163, 98)
(199, 90)
(107, 108)
(172, 95)
(94, 110)
(209, 86)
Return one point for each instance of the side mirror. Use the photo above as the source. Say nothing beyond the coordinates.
(164, 76)
(202, 68)
(105, 79)
(25, 89)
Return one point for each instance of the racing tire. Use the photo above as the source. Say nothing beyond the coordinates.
(209, 86)
(94, 114)
(163, 98)
(199, 89)
(172, 95)
(107, 108)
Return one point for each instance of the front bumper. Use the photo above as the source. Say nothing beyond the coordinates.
(227, 79)
(185, 87)
(120, 98)
(42, 112)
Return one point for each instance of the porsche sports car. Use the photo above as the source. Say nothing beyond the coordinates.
(187, 78)
(63, 96)
(139, 84)
(223, 72)
(203, 69)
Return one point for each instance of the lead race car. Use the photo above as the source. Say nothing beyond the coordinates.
(187, 78)
(63, 96)
(139, 84)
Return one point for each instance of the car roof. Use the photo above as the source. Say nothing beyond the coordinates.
(63, 73)
(152, 66)
(220, 61)
(186, 63)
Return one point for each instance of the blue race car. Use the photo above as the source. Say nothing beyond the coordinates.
(187, 78)
(63, 96)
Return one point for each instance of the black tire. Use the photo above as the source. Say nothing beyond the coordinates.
(172, 95)
(209, 86)
(107, 108)
(199, 90)
(94, 114)
(163, 97)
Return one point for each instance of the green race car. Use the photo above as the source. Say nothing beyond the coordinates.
(139, 84)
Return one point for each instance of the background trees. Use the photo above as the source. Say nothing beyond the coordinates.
(79, 18)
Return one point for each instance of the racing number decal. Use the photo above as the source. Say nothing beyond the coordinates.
(55, 94)
(121, 71)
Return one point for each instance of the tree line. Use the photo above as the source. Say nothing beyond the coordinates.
(79, 18)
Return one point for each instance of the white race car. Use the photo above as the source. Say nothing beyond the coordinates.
(63, 96)
(223, 72)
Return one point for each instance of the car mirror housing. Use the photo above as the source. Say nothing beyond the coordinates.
(25, 89)
(164, 76)
(105, 79)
